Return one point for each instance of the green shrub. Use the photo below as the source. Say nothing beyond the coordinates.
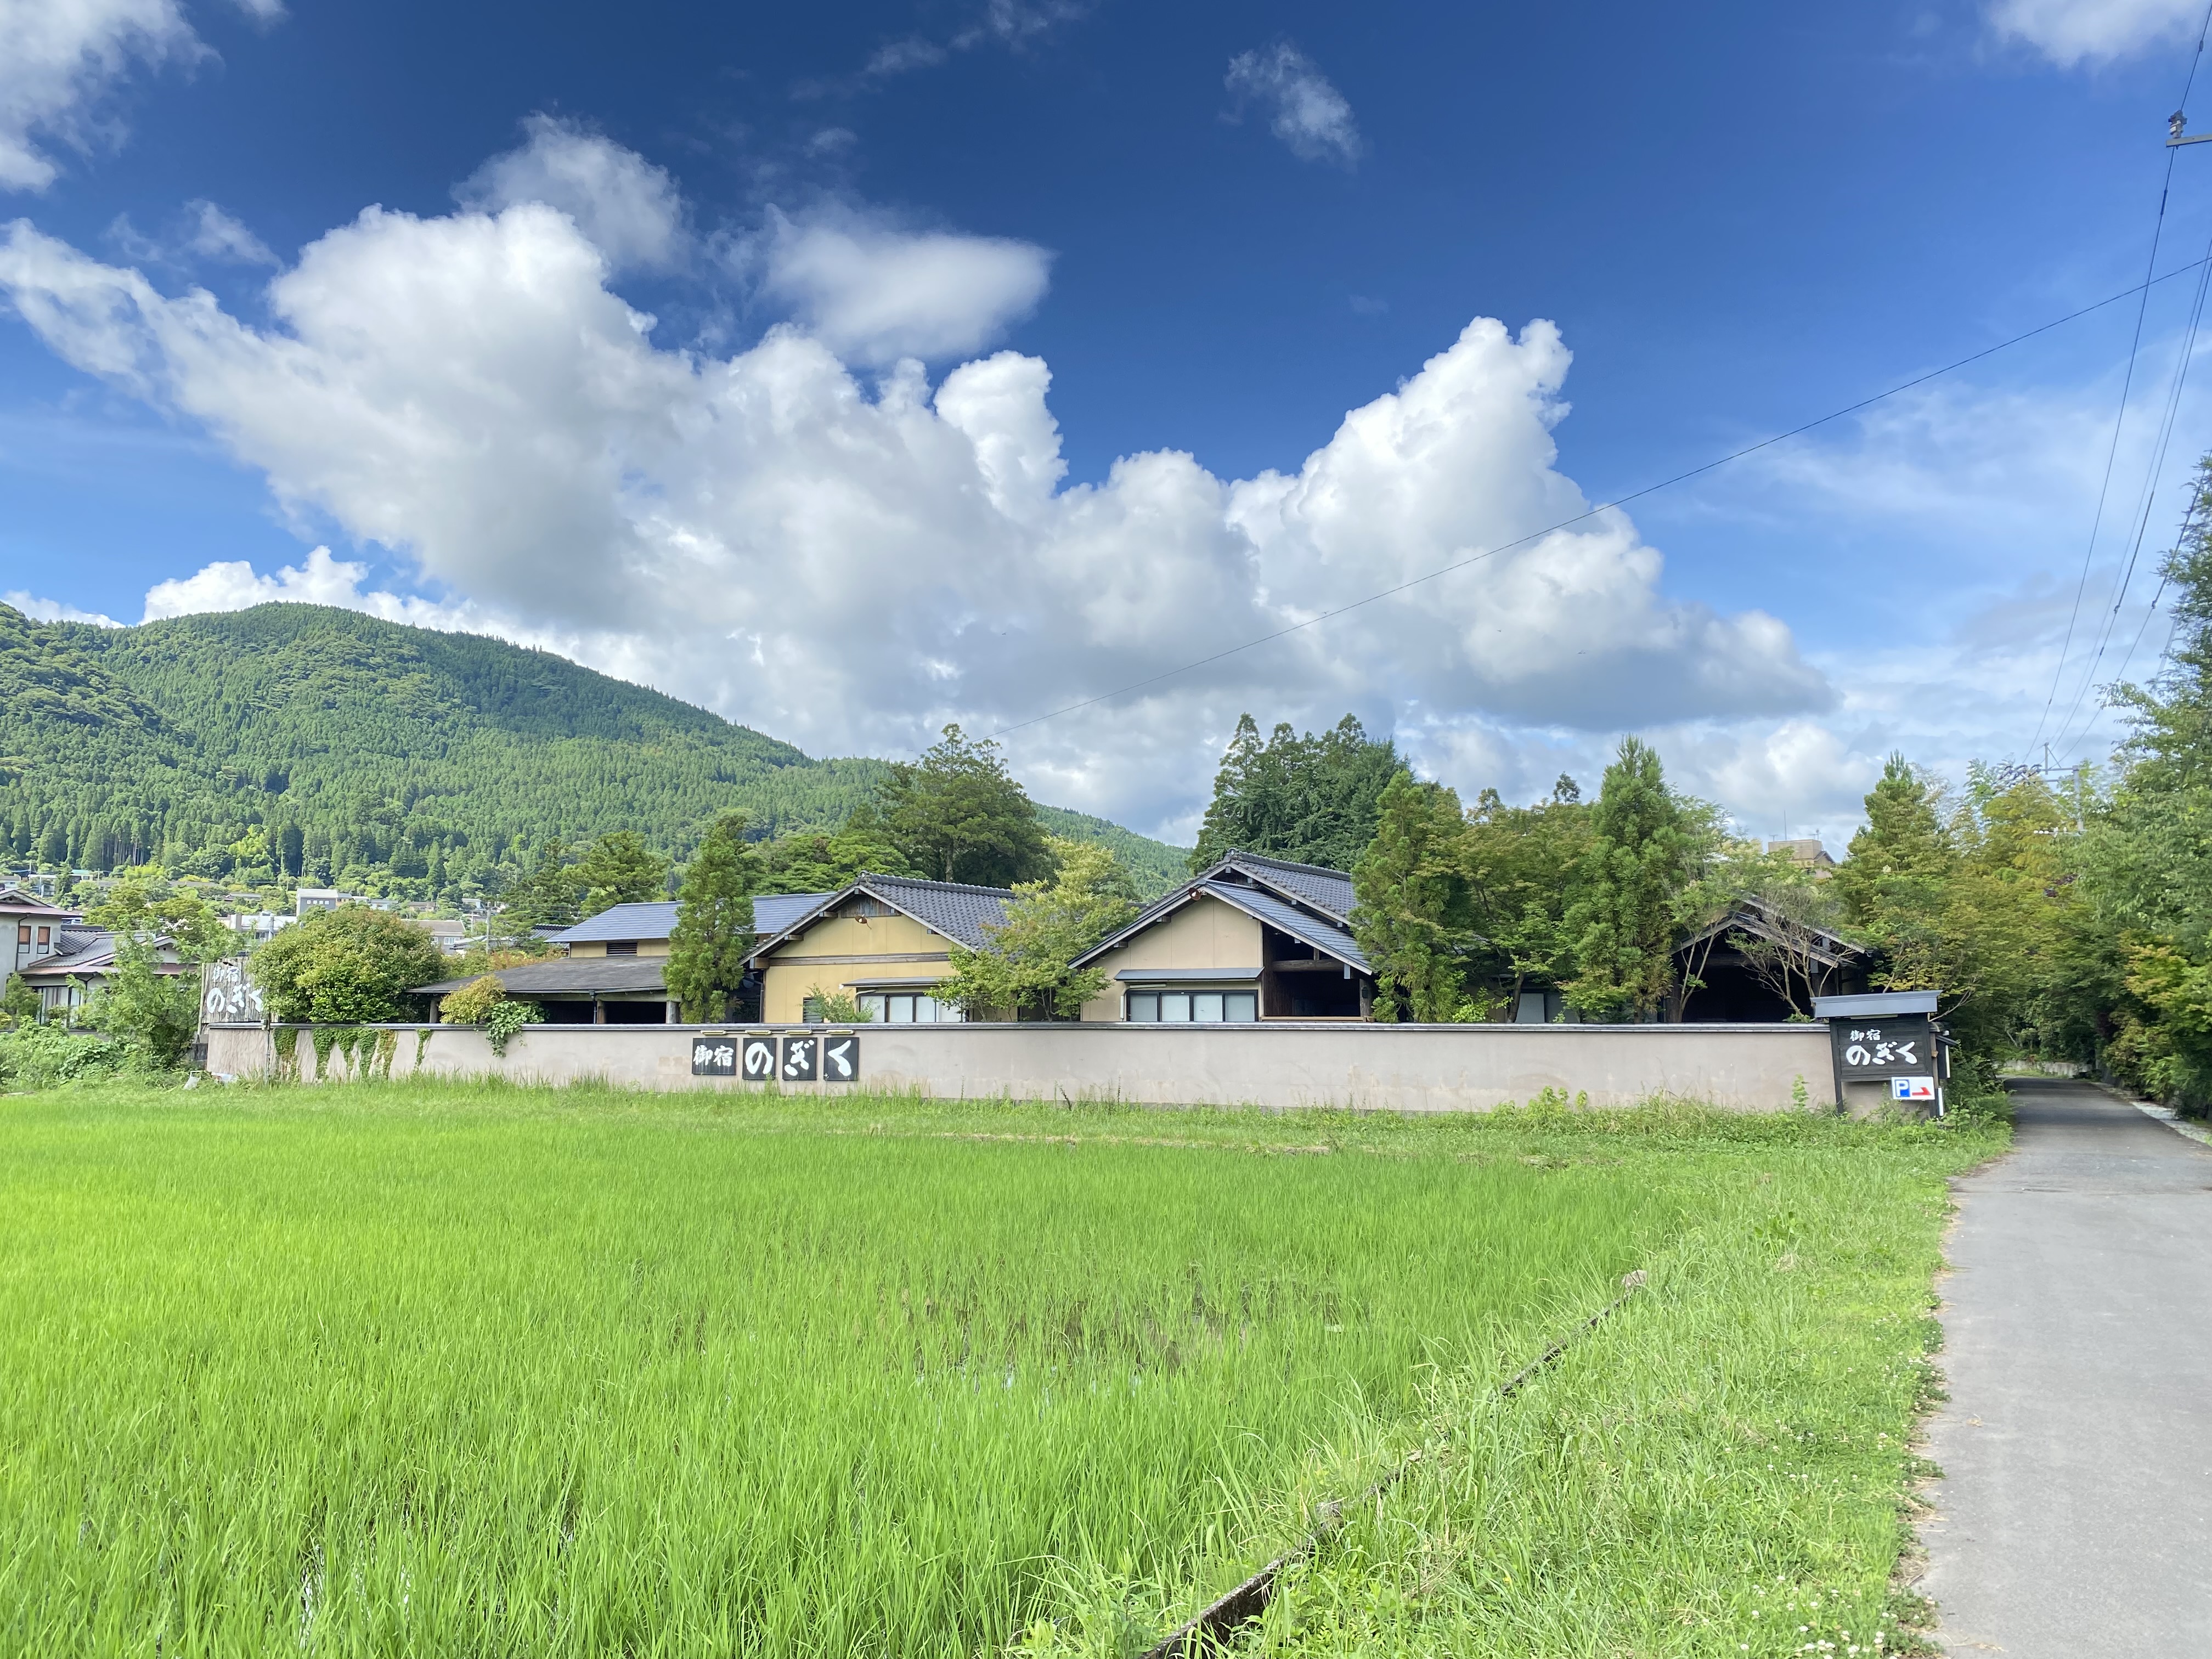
(473, 1003)
(46, 1056)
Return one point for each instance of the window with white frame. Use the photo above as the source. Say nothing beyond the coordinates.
(909, 1008)
(1200, 1005)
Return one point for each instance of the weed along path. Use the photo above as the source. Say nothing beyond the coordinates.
(2075, 1510)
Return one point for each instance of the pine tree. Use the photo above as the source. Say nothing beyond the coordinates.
(1412, 914)
(621, 869)
(713, 932)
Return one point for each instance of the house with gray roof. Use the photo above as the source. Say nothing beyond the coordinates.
(1249, 939)
(83, 960)
(611, 969)
(885, 941)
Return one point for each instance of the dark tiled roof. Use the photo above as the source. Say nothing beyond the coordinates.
(1326, 889)
(1324, 937)
(87, 951)
(947, 908)
(577, 976)
(772, 913)
(654, 920)
(1282, 894)
(82, 948)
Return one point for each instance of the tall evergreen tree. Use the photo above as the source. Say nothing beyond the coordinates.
(1900, 858)
(619, 868)
(550, 896)
(1412, 914)
(956, 815)
(1313, 798)
(1646, 846)
(713, 931)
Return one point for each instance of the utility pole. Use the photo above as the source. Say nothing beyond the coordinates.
(2174, 135)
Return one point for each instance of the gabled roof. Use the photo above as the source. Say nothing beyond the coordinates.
(772, 913)
(16, 901)
(1324, 937)
(579, 977)
(1326, 889)
(1750, 916)
(951, 908)
(1301, 922)
(87, 951)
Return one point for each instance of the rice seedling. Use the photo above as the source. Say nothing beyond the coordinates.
(473, 1370)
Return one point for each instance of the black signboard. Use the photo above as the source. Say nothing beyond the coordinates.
(841, 1058)
(713, 1054)
(1869, 1050)
(758, 1057)
(799, 1055)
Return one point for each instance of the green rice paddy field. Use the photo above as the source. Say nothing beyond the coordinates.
(481, 1371)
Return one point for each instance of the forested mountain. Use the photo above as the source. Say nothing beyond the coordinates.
(301, 740)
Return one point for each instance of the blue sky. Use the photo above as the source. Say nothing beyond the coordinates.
(1209, 233)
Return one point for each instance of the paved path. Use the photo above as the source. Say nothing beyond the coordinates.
(2075, 1513)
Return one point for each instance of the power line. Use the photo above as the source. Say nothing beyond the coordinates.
(1618, 502)
(2111, 453)
(2146, 506)
(2158, 457)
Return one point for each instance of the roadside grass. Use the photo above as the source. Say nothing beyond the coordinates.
(485, 1369)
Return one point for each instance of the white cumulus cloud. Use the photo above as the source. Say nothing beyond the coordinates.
(874, 293)
(40, 609)
(58, 61)
(625, 206)
(2074, 32)
(1302, 109)
(849, 559)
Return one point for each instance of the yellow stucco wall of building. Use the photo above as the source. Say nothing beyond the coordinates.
(646, 947)
(1204, 934)
(838, 951)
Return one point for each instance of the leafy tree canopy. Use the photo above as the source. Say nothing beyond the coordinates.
(1313, 799)
(351, 965)
(823, 864)
(1522, 865)
(133, 909)
(1413, 905)
(1025, 966)
(956, 815)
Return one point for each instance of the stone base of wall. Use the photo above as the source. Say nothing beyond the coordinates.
(1401, 1068)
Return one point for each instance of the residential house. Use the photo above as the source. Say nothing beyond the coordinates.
(885, 941)
(612, 967)
(31, 927)
(67, 979)
(1745, 961)
(1249, 939)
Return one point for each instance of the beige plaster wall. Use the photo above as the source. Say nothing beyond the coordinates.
(1282, 1065)
(646, 947)
(1204, 934)
(837, 951)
